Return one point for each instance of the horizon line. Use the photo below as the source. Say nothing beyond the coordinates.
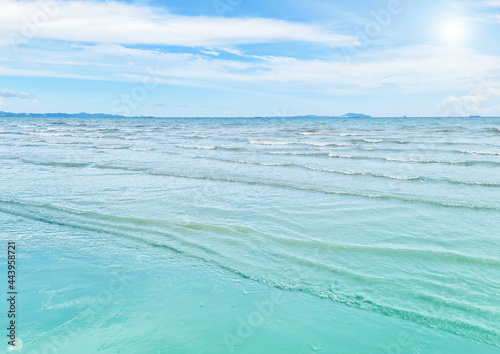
(108, 115)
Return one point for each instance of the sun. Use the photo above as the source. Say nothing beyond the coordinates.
(453, 31)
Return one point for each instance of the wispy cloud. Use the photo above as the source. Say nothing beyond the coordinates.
(410, 69)
(211, 52)
(13, 94)
(119, 23)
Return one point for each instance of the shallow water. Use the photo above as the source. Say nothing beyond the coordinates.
(254, 235)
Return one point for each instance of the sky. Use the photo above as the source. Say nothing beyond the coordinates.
(245, 58)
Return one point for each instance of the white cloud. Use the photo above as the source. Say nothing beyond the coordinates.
(483, 99)
(13, 94)
(492, 3)
(408, 69)
(211, 52)
(233, 51)
(119, 23)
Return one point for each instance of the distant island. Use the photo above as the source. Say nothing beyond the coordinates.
(355, 115)
(104, 115)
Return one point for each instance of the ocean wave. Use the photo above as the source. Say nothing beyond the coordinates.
(213, 147)
(296, 153)
(210, 147)
(343, 156)
(195, 136)
(52, 163)
(111, 147)
(427, 254)
(364, 173)
(404, 178)
(58, 142)
(270, 164)
(140, 149)
(369, 141)
(52, 134)
(417, 161)
(472, 152)
(312, 143)
(475, 183)
(258, 163)
(256, 142)
(306, 188)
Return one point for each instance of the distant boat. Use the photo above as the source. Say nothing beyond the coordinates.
(474, 116)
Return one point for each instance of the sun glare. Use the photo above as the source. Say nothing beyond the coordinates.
(453, 32)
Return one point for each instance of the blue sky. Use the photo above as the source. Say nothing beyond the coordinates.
(251, 57)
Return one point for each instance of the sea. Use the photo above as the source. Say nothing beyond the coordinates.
(251, 235)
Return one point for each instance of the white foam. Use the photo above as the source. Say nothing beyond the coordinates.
(197, 147)
(492, 153)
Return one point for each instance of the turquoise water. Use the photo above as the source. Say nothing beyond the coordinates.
(253, 235)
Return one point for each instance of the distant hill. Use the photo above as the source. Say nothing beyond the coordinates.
(355, 115)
